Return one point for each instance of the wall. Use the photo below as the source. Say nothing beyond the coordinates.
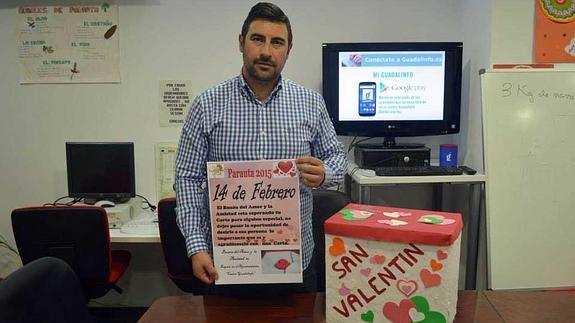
(197, 40)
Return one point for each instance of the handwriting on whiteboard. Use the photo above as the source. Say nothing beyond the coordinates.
(532, 94)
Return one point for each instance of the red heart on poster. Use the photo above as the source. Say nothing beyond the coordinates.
(398, 313)
(441, 255)
(429, 279)
(285, 166)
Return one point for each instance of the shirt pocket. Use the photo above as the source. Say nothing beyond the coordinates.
(297, 141)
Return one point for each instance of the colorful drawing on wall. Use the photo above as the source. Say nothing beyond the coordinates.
(554, 31)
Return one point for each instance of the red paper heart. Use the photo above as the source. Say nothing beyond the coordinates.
(435, 265)
(337, 247)
(441, 255)
(429, 279)
(398, 314)
(285, 166)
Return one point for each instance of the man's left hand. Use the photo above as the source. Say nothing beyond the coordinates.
(312, 170)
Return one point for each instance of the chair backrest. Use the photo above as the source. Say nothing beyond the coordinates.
(325, 204)
(76, 234)
(175, 252)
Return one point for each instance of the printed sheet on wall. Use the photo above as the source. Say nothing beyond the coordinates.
(68, 44)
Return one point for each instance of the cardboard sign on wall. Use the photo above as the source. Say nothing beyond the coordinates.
(554, 31)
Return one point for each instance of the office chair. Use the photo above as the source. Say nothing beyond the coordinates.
(78, 235)
(175, 252)
(325, 204)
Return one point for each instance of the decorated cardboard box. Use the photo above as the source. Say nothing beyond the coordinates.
(387, 264)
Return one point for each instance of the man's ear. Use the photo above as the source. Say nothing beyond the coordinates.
(241, 43)
(289, 48)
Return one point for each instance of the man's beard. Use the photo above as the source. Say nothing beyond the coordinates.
(260, 75)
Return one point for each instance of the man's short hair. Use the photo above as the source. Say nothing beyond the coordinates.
(269, 12)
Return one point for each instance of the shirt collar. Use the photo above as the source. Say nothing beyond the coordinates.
(246, 90)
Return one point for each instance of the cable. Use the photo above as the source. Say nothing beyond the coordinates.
(70, 203)
(150, 205)
(351, 144)
(5, 244)
(355, 143)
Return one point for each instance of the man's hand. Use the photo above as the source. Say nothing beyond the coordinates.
(311, 170)
(203, 268)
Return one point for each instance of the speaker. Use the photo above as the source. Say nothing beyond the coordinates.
(380, 157)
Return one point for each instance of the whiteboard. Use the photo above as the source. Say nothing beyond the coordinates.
(529, 142)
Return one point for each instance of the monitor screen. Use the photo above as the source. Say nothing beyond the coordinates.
(393, 89)
(103, 170)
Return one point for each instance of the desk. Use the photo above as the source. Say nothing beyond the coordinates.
(472, 306)
(476, 203)
(117, 236)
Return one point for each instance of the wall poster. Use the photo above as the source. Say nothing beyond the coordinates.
(554, 38)
(68, 44)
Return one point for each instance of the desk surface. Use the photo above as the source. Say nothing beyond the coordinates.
(358, 177)
(117, 236)
(472, 306)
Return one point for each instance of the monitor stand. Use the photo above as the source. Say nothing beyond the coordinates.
(389, 143)
(116, 200)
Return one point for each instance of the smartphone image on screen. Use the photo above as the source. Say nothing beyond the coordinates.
(367, 99)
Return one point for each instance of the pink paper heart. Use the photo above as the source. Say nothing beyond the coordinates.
(365, 271)
(392, 222)
(396, 215)
(441, 254)
(416, 316)
(358, 214)
(407, 287)
(343, 290)
(447, 222)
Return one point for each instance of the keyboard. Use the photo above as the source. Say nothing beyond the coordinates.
(143, 226)
(416, 171)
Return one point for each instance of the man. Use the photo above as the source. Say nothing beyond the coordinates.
(255, 116)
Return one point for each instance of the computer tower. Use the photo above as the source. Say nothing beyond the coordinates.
(366, 157)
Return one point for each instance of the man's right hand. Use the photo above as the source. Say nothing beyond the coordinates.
(203, 267)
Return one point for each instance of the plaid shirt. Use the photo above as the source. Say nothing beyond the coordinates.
(228, 123)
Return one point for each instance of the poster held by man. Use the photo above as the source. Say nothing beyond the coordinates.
(255, 216)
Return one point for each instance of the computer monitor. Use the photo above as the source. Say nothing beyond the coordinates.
(393, 89)
(101, 171)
